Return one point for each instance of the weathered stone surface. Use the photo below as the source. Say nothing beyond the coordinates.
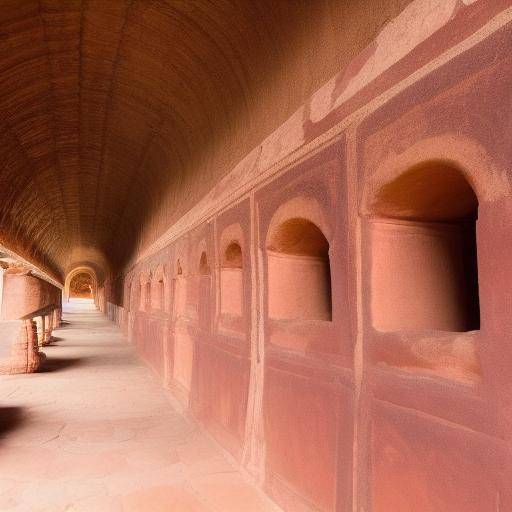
(300, 217)
(24, 354)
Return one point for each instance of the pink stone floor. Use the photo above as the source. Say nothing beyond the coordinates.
(95, 432)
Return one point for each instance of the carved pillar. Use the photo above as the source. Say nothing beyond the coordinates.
(40, 323)
(25, 355)
(48, 329)
(56, 317)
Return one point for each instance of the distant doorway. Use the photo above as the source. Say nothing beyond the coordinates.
(81, 286)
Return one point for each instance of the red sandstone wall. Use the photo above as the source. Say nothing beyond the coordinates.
(333, 414)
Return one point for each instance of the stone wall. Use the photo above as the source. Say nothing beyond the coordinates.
(295, 363)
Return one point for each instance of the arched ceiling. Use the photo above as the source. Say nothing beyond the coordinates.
(117, 115)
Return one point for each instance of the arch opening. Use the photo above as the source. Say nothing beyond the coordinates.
(81, 286)
(299, 272)
(145, 292)
(231, 281)
(204, 268)
(160, 293)
(179, 302)
(424, 269)
(233, 256)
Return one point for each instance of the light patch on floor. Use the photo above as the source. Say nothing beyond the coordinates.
(95, 432)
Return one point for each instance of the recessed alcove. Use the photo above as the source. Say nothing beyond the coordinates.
(128, 297)
(299, 275)
(424, 271)
(159, 293)
(204, 268)
(180, 291)
(145, 293)
(231, 280)
(148, 296)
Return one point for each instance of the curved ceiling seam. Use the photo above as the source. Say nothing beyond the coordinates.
(80, 107)
(51, 115)
(108, 104)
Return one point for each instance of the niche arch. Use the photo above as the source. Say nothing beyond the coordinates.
(204, 267)
(145, 290)
(298, 263)
(127, 292)
(232, 271)
(423, 249)
(179, 286)
(461, 152)
(203, 261)
(158, 288)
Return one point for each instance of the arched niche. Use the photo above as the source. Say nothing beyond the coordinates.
(90, 276)
(299, 273)
(145, 291)
(204, 267)
(180, 288)
(200, 298)
(127, 300)
(232, 272)
(158, 289)
(424, 270)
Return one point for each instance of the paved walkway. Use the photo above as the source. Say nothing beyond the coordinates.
(95, 432)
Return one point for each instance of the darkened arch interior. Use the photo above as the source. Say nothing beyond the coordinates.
(233, 257)
(424, 251)
(299, 272)
(431, 191)
(204, 268)
(300, 237)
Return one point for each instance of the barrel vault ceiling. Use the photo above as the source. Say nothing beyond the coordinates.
(115, 116)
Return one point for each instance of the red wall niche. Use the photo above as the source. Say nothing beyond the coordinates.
(308, 407)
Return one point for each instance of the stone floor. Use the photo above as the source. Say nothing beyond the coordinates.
(95, 432)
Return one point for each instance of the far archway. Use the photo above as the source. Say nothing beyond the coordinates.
(81, 283)
(81, 286)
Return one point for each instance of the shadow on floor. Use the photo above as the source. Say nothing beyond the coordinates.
(54, 339)
(55, 364)
(10, 419)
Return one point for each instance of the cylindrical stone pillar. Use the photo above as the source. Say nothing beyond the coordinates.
(56, 320)
(25, 355)
(48, 329)
(40, 323)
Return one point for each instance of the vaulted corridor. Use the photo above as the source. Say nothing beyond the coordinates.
(255, 254)
(94, 431)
